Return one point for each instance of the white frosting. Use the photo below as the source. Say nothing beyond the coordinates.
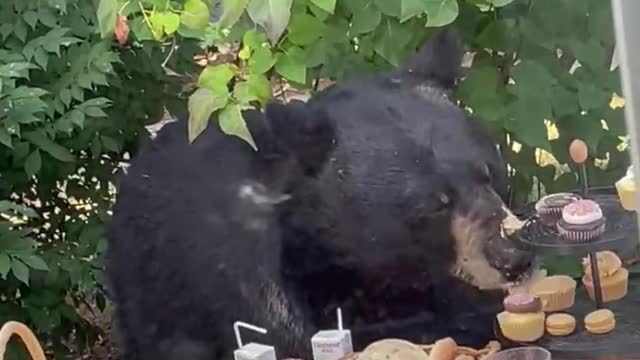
(581, 212)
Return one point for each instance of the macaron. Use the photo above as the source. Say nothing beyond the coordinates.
(600, 321)
(560, 324)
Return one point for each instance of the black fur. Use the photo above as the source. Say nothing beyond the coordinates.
(349, 203)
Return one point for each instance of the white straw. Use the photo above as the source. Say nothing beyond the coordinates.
(236, 329)
(339, 319)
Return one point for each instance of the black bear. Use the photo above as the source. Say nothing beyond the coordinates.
(379, 196)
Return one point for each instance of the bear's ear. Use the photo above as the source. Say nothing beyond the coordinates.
(438, 60)
(309, 134)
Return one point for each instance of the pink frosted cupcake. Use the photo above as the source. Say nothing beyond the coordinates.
(582, 221)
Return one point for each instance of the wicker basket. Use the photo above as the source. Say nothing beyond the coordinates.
(491, 348)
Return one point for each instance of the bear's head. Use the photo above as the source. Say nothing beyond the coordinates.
(396, 176)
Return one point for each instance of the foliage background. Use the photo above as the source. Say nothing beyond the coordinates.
(80, 80)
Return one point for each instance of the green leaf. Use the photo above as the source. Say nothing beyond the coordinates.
(411, 8)
(164, 22)
(532, 78)
(109, 143)
(202, 103)
(16, 70)
(562, 265)
(20, 270)
(326, 5)
(261, 61)
(257, 87)
(31, 18)
(391, 8)
(500, 3)
(5, 265)
(20, 29)
(292, 65)
(232, 10)
(33, 163)
(528, 124)
(366, 19)
(585, 127)
(272, 15)
(6, 206)
(232, 123)
(94, 111)
(195, 15)
(107, 13)
(304, 29)
(564, 102)
(591, 97)
(5, 138)
(391, 39)
(41, 58)
(35, 262)
(47, 145)
(589, 53)
(217, 77)
(254, 39)
(441, 12)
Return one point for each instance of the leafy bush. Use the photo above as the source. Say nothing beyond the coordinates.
(80, 79)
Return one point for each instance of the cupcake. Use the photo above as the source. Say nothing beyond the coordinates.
(614, 279)
(522, 318)
(626, 188)
(581, 221)
(549, 208)
(555, 292)
(560, 324)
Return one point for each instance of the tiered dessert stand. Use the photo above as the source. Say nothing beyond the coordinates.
(620, 236)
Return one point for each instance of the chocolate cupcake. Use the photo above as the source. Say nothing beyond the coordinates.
(582, 221)
(549, 208)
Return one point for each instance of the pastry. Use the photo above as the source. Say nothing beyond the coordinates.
(555, 292)
(522, 303)
(608, 263)
(527, 324)
(444, 349)
(560, 324)
(393, 349)
(549, 208)
(626, 188)
(614, 279)
(600, 321)
(581, 221)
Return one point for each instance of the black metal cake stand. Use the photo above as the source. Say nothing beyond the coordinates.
(621, 234)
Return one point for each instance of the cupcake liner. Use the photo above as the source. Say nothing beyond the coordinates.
(581, 236)
(558, 301)
(612, 290)
(549, 216)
